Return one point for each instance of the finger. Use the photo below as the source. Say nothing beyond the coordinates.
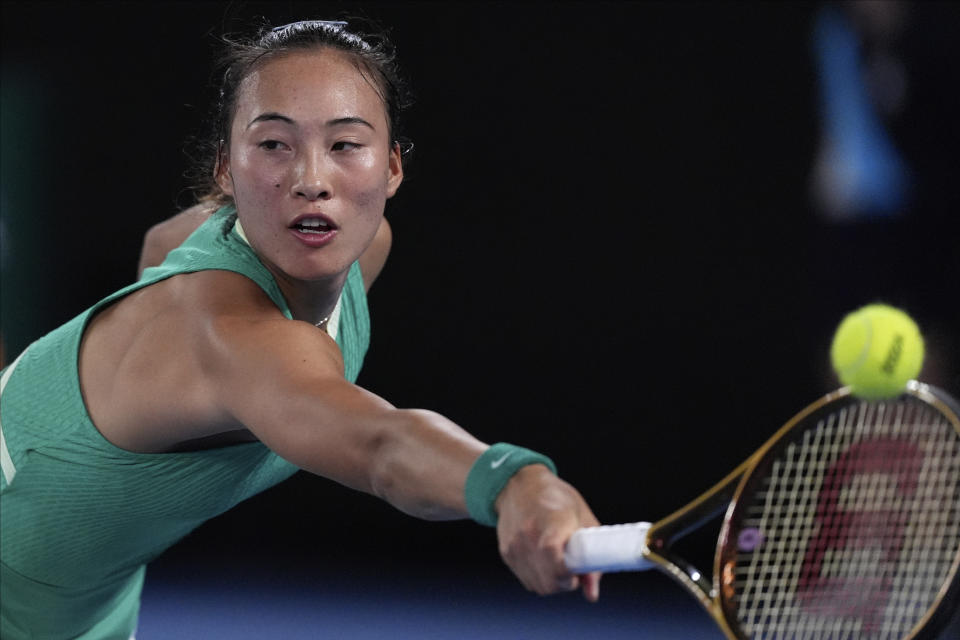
(559, 577)
(591, 586)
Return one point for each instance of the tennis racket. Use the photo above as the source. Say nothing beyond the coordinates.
(845, 524)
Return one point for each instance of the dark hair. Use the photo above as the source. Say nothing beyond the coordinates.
(372, 53)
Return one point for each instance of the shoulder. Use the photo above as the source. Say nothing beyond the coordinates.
(209, 340)
(375, 257)
(233, 319)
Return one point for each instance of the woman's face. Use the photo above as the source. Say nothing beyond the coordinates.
(310, 163)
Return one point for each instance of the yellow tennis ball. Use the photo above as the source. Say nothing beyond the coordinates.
(876, 350)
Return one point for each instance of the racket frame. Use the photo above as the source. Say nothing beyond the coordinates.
(724, 496)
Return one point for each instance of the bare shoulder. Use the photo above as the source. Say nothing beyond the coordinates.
(375, 257)
(231, 322)
(165, 236)
(160, 368)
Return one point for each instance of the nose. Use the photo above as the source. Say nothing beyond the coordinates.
(312, 178)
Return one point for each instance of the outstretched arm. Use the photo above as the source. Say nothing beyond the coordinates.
(299, 405)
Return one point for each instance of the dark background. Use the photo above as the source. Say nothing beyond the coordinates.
(605, 248)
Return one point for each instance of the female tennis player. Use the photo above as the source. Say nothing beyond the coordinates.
(230, 365)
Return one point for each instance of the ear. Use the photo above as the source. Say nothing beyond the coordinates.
(221, 170)
(394, 170)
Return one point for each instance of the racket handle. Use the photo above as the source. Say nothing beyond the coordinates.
(616, 547)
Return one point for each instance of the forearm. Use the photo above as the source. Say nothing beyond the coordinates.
(421, 464)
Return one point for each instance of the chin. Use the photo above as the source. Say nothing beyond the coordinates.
(316, 272)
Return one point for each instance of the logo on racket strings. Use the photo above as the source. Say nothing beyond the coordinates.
(835, 580)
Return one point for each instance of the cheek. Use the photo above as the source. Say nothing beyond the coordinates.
(371, 199)
(371, 188)
(257, 180)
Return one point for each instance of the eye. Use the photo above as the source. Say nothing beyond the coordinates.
(343, 145)
(272, 145)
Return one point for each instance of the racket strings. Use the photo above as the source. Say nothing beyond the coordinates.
(854, 528)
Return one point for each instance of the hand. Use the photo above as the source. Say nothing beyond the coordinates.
(538, 512)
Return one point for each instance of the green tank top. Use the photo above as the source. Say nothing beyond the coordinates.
(80, 517)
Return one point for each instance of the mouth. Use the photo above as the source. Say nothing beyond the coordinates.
(312, 224)
(314, 230)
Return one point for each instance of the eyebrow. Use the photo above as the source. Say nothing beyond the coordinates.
(336, 122)
(270, 115)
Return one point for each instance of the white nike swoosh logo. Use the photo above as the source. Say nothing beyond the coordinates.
(497, 463)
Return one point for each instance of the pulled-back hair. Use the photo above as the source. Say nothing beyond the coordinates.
(372, 54)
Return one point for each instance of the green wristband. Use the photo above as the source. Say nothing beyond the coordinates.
(490, 474)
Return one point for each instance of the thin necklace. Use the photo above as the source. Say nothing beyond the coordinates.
(323, 322)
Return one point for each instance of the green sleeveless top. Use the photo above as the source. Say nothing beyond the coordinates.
(80, 517)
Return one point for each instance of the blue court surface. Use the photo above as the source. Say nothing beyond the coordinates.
(257, 602)
(390, 602)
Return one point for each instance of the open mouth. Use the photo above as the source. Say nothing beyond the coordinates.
(312, 225)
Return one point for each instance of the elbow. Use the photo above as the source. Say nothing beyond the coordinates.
(382, 475)
(390, 470)
(408, 469)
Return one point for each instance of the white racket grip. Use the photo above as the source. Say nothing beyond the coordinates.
(616, 547)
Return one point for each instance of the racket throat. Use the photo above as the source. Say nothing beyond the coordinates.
(692, 579)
